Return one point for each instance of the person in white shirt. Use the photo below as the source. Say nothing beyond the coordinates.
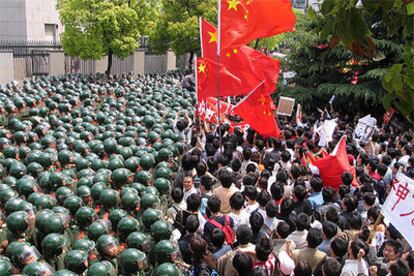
(250, 194)
(237, 213)
(300, 234)
(270, 220)
(355, 264)
(188, 186)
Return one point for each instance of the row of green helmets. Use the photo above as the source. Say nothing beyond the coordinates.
(84, 189)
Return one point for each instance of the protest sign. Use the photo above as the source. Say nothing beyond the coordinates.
(285, 106)
(398, 209)
(364, 129)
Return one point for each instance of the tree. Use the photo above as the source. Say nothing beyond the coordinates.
(177, 27)
(324, 68)
(95, 28)
(363, 27)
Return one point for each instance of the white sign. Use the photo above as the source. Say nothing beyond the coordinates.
(285, 106)
(365, 128)
(325, 132)
(398, 209)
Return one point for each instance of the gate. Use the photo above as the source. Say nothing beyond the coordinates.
(32, 58)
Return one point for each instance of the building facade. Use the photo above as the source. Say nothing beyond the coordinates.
(29, 20)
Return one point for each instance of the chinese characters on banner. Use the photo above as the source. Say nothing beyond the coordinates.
(399, 207)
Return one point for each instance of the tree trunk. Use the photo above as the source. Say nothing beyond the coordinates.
(256, 45)
(108, 69)
(190, 60)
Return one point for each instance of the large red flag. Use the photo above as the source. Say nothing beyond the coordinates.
(255, 110)
(249, 65)
(332, 167)
(230, 85)
(242, 21)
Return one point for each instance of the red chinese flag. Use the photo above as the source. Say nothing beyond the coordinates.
(249, 65)
(230, 85)
(242, 21)
(256, 111)
(332, 167)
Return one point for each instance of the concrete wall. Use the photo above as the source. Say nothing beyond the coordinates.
(6, 66)
(154, 63)
(39, 13)
(13, 20)
(171, 60)
(20, 71)
(101, 65)
(26, 19)
(57, 63)
(139, 63)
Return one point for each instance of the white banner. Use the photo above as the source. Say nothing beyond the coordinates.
(398, 209)
(325, 132)
(365, 128)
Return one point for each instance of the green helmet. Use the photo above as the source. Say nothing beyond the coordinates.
(34, 169)
(17, 170)
(37, 268)
(107, 245)
(56, 224)
(132, 261)
(160, 230)
(17, 222)
(149, 217)
(148, 200)
(63, 193)
(24, 254)
(45, 159)
(97, 189)
(33, 197)
(139, 241)
(120, 177)
(130, 201)
(83, 192)
(82, 163)
(76, 261)
(85, 216)
(6, 194)
(10, 152)
(163, 172)
(73, 203)
(55, 180)
(97, 164)
(116, 215)
(147, 161)
(52, 245)
(42, 218)
(163, 185)
(11, 205)
(152, 190)
(98, 228)
(164, 154)
(65, 157)
(115, 163)
(84, 244)
(64, 272)
(167, 269)
(109, 198)
(153, 136)
(126, 226)
(125, 152)
(44, 202)
(5, 267)
(140, 188)
(132, 163)
(143, 177)
(164, 251)
(110, 145)
(104, 268)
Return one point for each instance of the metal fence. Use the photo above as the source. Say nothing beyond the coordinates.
(75, 65)
(31, 56)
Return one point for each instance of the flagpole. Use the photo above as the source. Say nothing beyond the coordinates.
(218, 73)
(201, 35)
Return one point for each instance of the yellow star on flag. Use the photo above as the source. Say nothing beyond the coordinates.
(235, 51)
(228, 55)
(262, 99)
(202, 68)
(233, 4)
(213, 37)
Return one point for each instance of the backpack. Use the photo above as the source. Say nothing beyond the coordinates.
(180, 218)
(226, 228)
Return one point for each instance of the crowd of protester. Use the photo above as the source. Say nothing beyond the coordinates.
(117, 176)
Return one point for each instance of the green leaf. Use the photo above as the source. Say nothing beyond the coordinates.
(410, 8)
(327, 6)
(387, 100)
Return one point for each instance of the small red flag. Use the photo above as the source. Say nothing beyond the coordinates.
(249, 65)
(255, 110)
(230, 85)
(242, 21)
(331, 167)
